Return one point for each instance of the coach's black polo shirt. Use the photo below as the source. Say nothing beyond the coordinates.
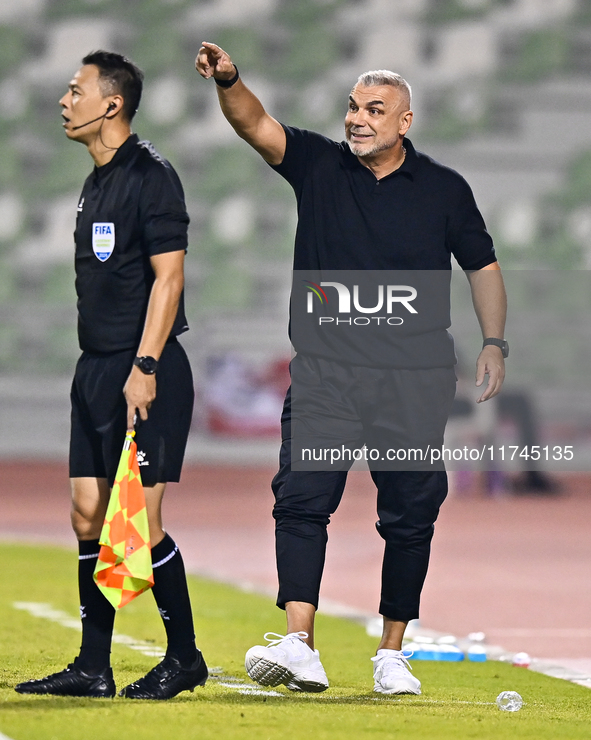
(130, 209)
(415, 218)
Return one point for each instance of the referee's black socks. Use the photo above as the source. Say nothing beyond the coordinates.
(96, 612)
(172, 598)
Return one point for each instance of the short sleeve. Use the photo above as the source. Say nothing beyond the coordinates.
(302, 148)
(467, 237)
(163, 214)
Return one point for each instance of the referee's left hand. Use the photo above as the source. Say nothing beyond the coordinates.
(139, 392)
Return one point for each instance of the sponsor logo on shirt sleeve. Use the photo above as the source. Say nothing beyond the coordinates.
(103, 240)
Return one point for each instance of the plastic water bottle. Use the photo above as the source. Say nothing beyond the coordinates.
(450, 652)
(432, 651)
(521, 660)
(477, 653)
(421, 650)
(509, 701)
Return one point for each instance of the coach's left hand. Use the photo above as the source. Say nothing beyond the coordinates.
(490, 362)
(139, 392)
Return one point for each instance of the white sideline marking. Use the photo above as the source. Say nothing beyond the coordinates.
(4, 737)
(46, 611)
(461, 701)
(245, 688)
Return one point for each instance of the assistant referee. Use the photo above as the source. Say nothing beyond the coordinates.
(131, 239)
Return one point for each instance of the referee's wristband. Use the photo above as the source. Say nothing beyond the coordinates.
(230, 82)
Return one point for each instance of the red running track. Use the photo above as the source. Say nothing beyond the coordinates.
(517, 569)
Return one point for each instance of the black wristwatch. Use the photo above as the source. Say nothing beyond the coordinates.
(148, 365)
(502, 344)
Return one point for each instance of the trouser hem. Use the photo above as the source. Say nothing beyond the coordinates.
(281, 602)
(396, 614)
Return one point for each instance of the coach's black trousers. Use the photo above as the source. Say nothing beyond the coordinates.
(408, 505)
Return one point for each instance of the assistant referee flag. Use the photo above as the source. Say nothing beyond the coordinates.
(124, 567)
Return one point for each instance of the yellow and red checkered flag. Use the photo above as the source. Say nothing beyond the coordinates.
(124, 567)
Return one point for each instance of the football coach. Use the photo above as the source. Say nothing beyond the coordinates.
(131, 239)
(370, 203)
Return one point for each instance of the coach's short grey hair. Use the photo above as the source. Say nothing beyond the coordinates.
(385, 77)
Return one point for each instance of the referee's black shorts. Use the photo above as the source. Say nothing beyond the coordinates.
(99, 416)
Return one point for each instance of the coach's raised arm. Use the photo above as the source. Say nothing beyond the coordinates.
(240, 106)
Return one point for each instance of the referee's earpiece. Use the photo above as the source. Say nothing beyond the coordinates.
(110, 107)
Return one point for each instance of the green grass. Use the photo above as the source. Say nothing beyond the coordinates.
(457, 700)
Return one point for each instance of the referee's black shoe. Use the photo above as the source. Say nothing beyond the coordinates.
(72, 682)
(168, 679)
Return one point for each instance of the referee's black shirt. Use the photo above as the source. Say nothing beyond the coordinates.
(130, 209)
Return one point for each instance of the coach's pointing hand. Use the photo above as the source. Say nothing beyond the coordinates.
(139, 392)
(243, 110)
(214, 62)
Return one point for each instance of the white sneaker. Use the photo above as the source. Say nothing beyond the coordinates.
(287, 660)
(391, 674)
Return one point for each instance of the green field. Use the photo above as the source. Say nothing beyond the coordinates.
(457, 700)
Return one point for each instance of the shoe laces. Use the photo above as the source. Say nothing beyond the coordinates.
(399, 656)
(274, 638)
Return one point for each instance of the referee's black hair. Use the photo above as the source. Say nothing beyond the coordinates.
(120, 76)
